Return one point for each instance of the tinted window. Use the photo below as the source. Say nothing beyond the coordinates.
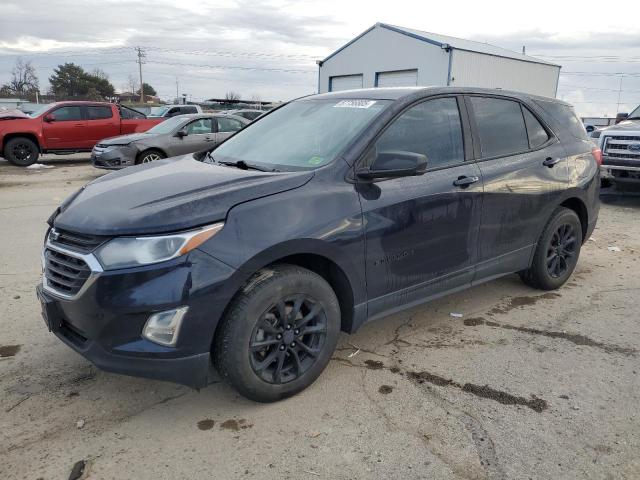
(200, 127)
(536, 132)
(565, 116)
(173, 112)
(129, 114)
(431, 128)
(188, 110)
(500, 125)
(98, 113)
(228, 125)
(64, 114)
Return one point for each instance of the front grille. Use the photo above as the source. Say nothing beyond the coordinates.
(64, 273)
(618, 147)
(76, 241)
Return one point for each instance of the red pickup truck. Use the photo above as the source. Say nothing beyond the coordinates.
(66, 127)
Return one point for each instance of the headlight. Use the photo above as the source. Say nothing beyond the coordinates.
(124, 252)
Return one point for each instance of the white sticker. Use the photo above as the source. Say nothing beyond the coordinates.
(355, 103)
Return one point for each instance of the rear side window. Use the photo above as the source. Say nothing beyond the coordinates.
(431, 128)
(536, 132)
(189, 110)
(99, 113)
(65, 114)
(565, 116)
(228, 125)
(500, 126)
(129, 114)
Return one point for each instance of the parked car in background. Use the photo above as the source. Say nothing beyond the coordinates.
(176, 136)
(167, 111)
(246, 113)
(66, 127)
(327, 213)
(620, 145)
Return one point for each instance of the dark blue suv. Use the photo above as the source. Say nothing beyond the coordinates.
(326, 213)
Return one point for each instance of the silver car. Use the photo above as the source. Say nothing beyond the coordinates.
(175, 136)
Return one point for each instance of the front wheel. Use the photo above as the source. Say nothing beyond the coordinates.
(150, 156)
(279, 333)
(557, 252)
(21, 151)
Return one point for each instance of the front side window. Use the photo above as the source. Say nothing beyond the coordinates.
(500, 126)
(228, 125)
(200, 127)
(130, 114)
(431, 128)
(302, 135)
(66, 114)
(98, 113)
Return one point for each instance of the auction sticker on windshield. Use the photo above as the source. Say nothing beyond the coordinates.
(355, 103)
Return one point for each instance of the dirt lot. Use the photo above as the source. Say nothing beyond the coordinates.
(525, 385)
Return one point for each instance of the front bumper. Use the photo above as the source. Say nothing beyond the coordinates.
(104, 321)
(113, 158)
(626, 171)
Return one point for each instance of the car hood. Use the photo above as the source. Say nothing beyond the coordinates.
(126, 139)
(625, 126)
(167, 196)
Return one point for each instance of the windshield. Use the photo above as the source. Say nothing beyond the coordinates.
(167, 126)
(635, 113)
(158, 111)
(302, 135)
(40, 110)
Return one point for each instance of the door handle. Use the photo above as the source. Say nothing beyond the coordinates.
(208, 139)
(550, 161)
(79, 125)
(464, 182)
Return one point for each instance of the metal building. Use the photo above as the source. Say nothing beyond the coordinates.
(390, 56)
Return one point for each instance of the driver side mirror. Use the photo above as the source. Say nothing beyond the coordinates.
(182, 133)
(394, 164)
(49, 117)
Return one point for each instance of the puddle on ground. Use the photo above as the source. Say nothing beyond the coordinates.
(517, 302)
(570, 337)
(9, 350)
(206, 424)
(534, 403)
(235, 425)
(385, 389)
(374, 365)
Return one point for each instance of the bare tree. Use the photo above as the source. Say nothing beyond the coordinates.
(99, 73)
(131, 84)
(232, 96)
(24, 81)
(256, 98)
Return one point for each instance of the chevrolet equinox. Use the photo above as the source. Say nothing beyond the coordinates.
(324, 214)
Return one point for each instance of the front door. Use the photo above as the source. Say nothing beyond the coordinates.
(421, 231)
(65, 128)
(200, 137)
(525, 171)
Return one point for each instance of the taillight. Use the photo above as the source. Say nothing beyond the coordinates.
(597, 154)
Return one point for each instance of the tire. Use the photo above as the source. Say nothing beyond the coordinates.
(21, 151)
(254, 318)
(557, 252)
(149, 156)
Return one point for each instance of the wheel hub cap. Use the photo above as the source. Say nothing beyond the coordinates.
(561, 251)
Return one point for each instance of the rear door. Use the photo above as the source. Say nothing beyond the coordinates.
(200, 136)
(525, 171)
(67, 128)
(421, 231)
(101, 123)
(226, 127)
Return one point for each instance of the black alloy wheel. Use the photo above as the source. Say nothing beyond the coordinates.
(287, 339)
(561, 251)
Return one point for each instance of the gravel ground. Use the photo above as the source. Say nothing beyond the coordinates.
(525, 384)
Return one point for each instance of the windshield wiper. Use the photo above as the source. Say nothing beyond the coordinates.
(242, 165)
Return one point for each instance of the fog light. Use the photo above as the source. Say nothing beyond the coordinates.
(163, 327)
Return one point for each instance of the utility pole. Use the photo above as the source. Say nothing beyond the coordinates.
(141, 56)
(619, 93)
(177, 95)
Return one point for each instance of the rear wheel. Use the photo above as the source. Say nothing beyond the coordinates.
(150, 156)
(279, 333)
(557, 252)
(21, 151)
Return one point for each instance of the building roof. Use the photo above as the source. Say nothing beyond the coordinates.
(445, 41)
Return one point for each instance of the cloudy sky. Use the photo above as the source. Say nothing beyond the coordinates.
(268, 49)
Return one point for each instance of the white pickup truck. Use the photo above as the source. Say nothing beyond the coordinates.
(620, 145)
